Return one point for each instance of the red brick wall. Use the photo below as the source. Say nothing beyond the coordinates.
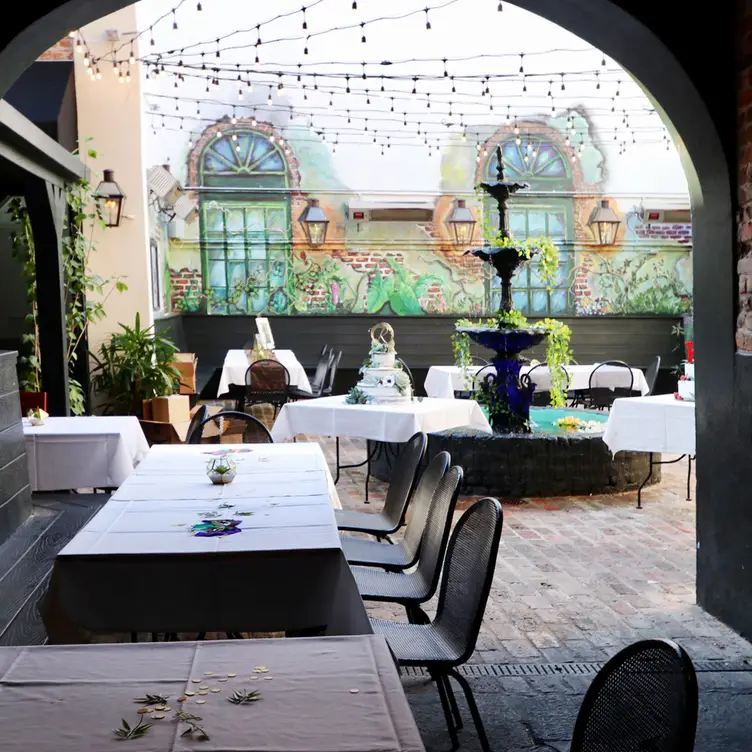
(63, 50)
(744, 111)
(182, 282)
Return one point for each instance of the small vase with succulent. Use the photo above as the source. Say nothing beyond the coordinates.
(221, 471)
(37, 417)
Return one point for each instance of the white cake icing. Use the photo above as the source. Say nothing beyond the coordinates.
(381, 380)
(686, 387)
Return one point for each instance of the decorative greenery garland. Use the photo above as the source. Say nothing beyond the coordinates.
(558, 352)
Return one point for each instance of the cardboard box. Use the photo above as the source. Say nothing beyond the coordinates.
(159, 432)
(186, 364)
(173, 409)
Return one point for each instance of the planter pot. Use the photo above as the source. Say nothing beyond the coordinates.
(221, 479)
(32, 401)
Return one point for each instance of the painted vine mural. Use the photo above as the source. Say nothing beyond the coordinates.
(247, 252)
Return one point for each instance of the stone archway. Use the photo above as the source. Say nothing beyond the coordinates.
(37, 25)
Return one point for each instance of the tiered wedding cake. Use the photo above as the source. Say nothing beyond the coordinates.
(686, 389)
(383, 378)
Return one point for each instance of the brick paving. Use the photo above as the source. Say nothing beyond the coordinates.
(577, 578)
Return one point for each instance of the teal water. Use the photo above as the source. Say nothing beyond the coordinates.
(542, 419)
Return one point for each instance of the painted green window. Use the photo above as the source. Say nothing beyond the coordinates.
(540, 165)
(245, 235)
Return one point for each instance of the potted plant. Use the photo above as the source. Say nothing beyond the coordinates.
(134, 365)
(221, 471)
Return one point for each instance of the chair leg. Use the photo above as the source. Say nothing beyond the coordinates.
(439, 679)
(453, 702)
(485, 746)
(134, 636)
(416, 615)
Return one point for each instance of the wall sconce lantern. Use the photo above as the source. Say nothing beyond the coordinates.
(604, 224)
(461, 223)
(110, 199)
(314, 223)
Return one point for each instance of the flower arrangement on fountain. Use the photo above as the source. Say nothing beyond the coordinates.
(573, 423)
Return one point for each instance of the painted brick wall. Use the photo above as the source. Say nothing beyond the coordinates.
(63, 50)
(681, 233)
(182, 281)
(744, 112)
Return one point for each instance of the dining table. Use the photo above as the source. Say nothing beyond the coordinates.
(325, 694)
(172, 552)
(91, 451)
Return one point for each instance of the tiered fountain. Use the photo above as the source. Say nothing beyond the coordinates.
(509, 394)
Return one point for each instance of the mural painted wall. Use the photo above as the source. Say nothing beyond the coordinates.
(253, 166)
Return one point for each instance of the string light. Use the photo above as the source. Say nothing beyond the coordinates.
(174, 21)
(305, 23)
(428, 23)
(522, 62)
(563, 85)
(363, 31)
(269, 100)
(151, 36)
(234, 119)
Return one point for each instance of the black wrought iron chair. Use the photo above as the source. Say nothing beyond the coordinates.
(404, 553)
(644, 698)
(318, 382)
(485, 370)
(542, 398)
(196, 420)
(651, 375)
(449, 640)
(401, 487)
(232, 427)
(267, 382)
(412, 588)
(601, 395)
(406, 369)
(328, 389)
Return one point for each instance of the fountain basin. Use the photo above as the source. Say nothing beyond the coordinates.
(506, 343)
(546, 462)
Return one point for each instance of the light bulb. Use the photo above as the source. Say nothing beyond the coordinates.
(234, 136)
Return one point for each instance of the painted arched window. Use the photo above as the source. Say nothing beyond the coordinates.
(245, 223)
(539, 163)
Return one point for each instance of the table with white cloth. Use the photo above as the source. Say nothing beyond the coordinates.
(389, 423)
(83, 452)
(659, 424)
(444, 381)
(236, 364)
(326, 694)
(137, 566)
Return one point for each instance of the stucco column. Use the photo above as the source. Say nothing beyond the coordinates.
(110, 113)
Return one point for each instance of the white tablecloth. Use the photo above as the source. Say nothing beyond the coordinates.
(330, 416)
(83, 452)
(443, 381)
(651, 424)
(236, 364)
(283, 570)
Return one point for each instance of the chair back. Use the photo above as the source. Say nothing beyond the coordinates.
(433, 545)
(468, 572)
(476, 360)
(651, 376)
(233, 427)
(267, 376)
(644, 698)
(406, 369)
(478, 378)
(318, 382)
(404, 478)
(333, 366)
(542, 397)
(198, 417)
(608, 381)
(422, 499)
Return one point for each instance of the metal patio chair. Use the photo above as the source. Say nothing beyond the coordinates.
(410, 589)
(643, 699)
(318, 382)
(600, 397)
(267, 382)
(401, 487)
(404, 553)
(231, 423)
(196, 420)
(332, 375)
(651, 375)
(542, 398)
(449, 640)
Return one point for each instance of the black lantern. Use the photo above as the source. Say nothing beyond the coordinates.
(314, 223)
(462, 223)
(110, 199)
(604, 223)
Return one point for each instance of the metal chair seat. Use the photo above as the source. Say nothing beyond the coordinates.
(394, 587)
(366, 522)
(420, 644)
(375, 554)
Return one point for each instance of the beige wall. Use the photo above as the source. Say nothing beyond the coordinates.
(110, 113)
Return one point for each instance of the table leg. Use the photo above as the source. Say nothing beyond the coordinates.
(642, 485)
(691, 458)
(336, 441)
(367, 461)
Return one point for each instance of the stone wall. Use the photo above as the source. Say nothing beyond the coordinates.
(744, 111)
